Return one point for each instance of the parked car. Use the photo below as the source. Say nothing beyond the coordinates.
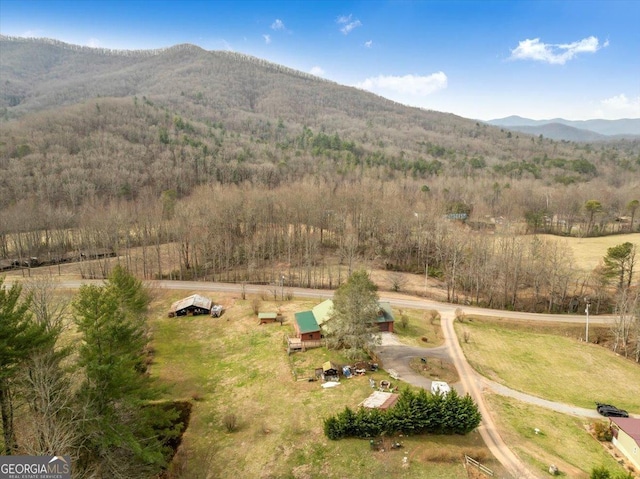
(607, 410)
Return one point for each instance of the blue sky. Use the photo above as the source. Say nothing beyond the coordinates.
(478, 59)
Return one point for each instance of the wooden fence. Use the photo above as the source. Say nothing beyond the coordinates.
(484, 469)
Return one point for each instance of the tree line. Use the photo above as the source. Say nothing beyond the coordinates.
(414, 413)
(91, 397)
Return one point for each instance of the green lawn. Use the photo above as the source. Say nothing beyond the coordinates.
(551, 366)
(231, 365)
(563, 440)
(420, 329)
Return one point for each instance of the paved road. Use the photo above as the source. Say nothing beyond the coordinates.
(397, 355)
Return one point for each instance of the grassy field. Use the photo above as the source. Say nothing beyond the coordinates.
(420, 329)
(231, 366)
(550, 365)
(562, 440)
(588, 252)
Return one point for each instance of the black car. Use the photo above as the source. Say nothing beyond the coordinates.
(608, 410)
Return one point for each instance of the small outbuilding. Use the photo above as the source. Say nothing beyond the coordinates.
(440, 387)
(626, 437)
(385, 318)
(266, 318)
(329, 369)
(380, 400)
(191, 306)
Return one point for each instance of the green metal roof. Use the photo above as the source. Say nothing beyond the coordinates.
(267, 315)
(306, 322)
(387, 314)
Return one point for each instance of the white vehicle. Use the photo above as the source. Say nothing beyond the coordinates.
(440, 387)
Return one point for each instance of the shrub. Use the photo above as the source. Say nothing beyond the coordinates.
(230, 422)
(255, 306)
(602, 431)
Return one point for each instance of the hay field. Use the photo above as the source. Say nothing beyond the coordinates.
(588, 252)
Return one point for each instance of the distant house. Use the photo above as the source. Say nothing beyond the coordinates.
(626, 437)
(191, 306)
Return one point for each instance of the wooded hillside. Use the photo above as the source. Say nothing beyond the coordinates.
(242, 163)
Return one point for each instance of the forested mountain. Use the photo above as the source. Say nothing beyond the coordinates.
(104, 143)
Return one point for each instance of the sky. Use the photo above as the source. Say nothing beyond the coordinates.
(570, 59)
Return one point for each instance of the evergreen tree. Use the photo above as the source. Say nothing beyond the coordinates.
(355, 307)
(20, 336)
(619, 262)
(125, 431)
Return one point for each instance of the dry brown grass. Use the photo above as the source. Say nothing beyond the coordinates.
(588, 252)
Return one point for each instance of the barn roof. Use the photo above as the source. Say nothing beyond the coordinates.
(194, 300)
(267, 315)
(306, 322)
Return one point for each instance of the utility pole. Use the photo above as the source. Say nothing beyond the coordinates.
(586, 310)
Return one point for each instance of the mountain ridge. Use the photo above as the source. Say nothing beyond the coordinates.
(624, 127)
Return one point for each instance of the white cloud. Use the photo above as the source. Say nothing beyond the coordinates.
(555, 54)
(277, 24)
(267, 39)
(621, 106)
(368, 44)
(317, 71)
(405, 86)
(93, 43)
(348, 24)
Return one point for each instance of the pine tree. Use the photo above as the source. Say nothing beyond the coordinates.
(355, 308)
(126, 428)
(20, 336)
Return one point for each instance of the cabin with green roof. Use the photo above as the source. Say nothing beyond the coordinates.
(307, 328)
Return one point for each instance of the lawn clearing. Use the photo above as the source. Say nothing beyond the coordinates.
(562, 440)
(421, 328)
(435, 369)
(549, 365)
(231, 366)
(588, 252)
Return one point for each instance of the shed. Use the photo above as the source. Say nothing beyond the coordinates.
(380, 400)
(385, 318)
(440, 387)
(266, 318)
(329, 369)
(307, 328)
(626, 437)
(191, 305)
